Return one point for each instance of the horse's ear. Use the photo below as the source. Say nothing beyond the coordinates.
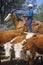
(12, 11)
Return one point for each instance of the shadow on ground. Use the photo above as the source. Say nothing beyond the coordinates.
(22, 62)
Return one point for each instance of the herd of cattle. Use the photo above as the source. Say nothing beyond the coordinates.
(21, 45)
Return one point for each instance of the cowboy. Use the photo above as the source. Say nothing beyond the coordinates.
(29, 15)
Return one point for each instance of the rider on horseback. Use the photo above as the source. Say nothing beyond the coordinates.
(30, 15)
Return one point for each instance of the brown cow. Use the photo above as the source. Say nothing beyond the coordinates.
(32, 39)
(19, 39)
(6, 36)
(34, 44)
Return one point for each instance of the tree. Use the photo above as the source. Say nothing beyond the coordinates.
(7, 6)
(39, 13)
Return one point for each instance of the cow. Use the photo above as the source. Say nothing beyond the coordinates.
(19, 42)
(6, 36)
(31, 42)
(34, 44)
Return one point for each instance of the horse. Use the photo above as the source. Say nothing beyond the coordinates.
(37, 26)
(19, 25)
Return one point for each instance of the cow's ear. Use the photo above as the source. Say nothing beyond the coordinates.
(34, 35)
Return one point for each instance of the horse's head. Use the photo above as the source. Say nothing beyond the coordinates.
(10, 16)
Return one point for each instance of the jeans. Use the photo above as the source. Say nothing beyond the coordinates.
(29, 24)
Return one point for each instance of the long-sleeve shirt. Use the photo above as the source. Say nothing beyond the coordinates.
(29, 13)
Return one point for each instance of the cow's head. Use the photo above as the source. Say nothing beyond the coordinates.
(18, 48)
(7, 48)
